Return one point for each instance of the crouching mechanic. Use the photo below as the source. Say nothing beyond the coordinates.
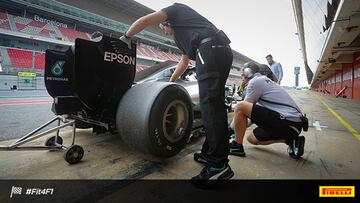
(200, 40)
(263, 70)
(275, 113)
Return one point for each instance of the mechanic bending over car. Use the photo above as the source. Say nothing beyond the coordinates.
(269, 106)
(200, 40)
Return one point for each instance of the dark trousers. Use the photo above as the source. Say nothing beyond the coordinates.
(213, 65)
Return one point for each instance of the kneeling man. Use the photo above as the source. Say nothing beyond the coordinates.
(271, 108)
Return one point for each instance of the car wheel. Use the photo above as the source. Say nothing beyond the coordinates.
(155, 117)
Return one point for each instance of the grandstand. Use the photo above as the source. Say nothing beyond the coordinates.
(24, 58)
(29, 27)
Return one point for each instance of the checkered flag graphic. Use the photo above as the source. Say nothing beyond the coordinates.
(15, 191)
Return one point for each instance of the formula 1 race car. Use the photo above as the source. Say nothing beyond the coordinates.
(95, 84)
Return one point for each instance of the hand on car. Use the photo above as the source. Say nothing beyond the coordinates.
(126, 40)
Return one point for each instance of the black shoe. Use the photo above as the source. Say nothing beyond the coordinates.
(209, 175)
(236, 149)
(296, 148)
(200, 158)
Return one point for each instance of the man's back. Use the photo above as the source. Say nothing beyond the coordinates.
(189, 27)
(260, 87)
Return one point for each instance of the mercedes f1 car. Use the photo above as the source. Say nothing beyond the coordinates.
(94, 85)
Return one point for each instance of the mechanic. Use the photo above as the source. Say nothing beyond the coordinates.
(275, 68)
(275, 113)
(264, 70)
(241, 88)
(200, 40)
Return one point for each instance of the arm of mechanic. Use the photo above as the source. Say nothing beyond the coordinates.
(280, 72)
(254, 91)
(181, 67)
(274, 78)
(146, 21)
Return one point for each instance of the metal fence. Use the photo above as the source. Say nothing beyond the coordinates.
(8, 82)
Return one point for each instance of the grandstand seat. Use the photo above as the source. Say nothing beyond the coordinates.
(22, 20)
(37, 24)
(49, 27)
(4, 21)
(31, 30)
(39, 28)
(20, 26)
(166, 56)
(176, 56)
(73, 34)
(3, 16)
(145, 51)
(33, 27)
(46, 32)
(139, 51)
(158, 53)
(20, 58)
(155, 53)
(39, 60)
(4, 24)
(141, 68)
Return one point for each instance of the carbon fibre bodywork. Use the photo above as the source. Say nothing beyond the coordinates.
(88, 80)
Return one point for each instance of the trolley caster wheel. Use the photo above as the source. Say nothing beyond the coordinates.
(73, 154)
(51, 141)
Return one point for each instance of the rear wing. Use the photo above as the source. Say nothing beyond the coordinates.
(97, 73)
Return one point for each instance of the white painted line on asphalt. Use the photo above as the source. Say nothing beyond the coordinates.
(317, 125)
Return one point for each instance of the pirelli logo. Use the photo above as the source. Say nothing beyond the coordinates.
(337, 191)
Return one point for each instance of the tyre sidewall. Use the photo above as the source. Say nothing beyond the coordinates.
(159, 144)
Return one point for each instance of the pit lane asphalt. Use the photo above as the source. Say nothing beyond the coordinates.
(330, 153)
(22, 111)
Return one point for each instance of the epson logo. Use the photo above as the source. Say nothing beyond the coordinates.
(123, 59)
